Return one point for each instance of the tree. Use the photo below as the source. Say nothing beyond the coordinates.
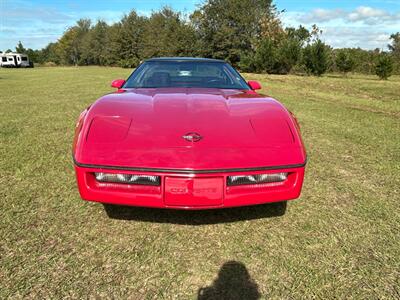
(167, 34)
(364, 60)
(34, 55)
(128, 44)
(394, 47)
(276, 55)
(94, 51)
(50, 54)
(265, 56)
(344, 61)
(70, 45)
(229, 28)
(247, 62)
(247, 33)
(289, 48)
(20, 48)
(384, 67)
(113, 44)
(301, 34)
(316, 58)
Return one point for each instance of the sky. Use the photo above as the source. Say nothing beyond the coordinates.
(345, 23)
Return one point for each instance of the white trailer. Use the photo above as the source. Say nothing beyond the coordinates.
(14, 60)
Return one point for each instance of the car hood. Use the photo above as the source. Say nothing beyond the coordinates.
(145, 128)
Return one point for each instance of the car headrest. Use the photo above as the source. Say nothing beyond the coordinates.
(160, 78)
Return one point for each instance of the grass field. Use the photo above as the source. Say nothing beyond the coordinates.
(341, 239)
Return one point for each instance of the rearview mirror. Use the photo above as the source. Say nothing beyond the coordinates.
(254, 85)
(118, 83)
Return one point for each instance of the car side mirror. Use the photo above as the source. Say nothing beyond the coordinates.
(118, 83)
(254, 85)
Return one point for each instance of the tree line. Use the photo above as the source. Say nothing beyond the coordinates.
(247, 33)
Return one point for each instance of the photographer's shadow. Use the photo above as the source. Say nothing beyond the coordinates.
(195, 217)
(233, 282)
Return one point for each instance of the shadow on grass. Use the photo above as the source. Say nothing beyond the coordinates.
(233, 282)
(195, 217)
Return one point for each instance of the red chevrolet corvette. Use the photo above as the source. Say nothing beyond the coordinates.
(188, 133)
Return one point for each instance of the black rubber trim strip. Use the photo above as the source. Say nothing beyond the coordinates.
(183, 171)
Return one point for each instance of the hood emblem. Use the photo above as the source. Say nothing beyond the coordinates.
(192, 137)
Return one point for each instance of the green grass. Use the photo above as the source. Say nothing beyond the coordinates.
(341, 239)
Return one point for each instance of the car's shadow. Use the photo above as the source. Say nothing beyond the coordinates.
(195, 217)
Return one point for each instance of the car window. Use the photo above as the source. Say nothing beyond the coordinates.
(189, 74)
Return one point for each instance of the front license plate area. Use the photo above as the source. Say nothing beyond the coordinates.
(180, 191)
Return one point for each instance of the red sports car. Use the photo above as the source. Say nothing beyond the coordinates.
(188, 133)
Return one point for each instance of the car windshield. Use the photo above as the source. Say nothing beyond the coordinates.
(187, 74)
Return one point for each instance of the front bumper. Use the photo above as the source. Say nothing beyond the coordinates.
(189, 190)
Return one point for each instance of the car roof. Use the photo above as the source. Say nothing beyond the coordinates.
(197, 59)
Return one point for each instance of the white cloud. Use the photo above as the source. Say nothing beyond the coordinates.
(38, 26)
(362, 14)
(364, 37)
(371, 16)
(364, 27)
(321, 15)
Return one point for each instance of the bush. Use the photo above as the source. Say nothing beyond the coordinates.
(264, 58)
(316, 58)
(345, 62)
(129, 63)
(384, 67)
(49, 64)
(247, 62)
(273, 57)
(288, 55)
